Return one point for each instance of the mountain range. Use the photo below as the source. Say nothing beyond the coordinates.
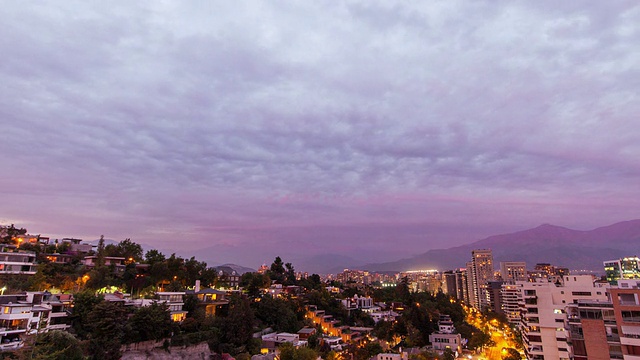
(560, 246)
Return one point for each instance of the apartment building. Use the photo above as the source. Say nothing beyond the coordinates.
(626, 307)
(14, 261)
(510, 294)
(30, 313)
(512, 271)
(455, 284)
(480, 270)
(593, 331)
(624, 268)
(543, 314)
(446, 336)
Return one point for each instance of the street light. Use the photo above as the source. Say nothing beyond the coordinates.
(3, 289)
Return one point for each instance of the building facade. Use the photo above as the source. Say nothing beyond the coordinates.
(544, 313)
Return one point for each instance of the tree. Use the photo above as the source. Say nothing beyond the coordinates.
(151, 322)
(253, 283)
(479, 339)
(367, 351)
(237, 327)
(277, 272)
(154, 256)
(83, 303)
(448, 354)
(193, 271)
(57, 345)
(510, 354)
(278, 314)
(289, 352)
(290, 274)
(100, 254)
(127, 249)
(106, 323)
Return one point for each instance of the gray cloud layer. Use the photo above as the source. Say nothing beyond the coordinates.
(370, 128)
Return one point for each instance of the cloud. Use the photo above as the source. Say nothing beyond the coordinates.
(217, 123)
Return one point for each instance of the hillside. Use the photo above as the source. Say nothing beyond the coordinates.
(546, 243)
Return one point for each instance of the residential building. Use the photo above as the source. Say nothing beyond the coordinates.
(543, 307)
(624, 268)
(174, 301)
(494, 296)
(118, 263)
(592, 331)
(391, 356)
(229, 276)
(14, 261)
(446, 336)
(14, 321)
(76, 245)
(481, 271)
(211, 300)
(547, 272)
(31, 313)
(271, 342)
(306, 332)
(512, 271)
(626, 307)
(510, 294)
(449, 283)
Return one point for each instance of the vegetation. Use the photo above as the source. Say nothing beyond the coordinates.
(100, 327)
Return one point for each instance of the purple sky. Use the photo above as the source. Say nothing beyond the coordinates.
(366, 128)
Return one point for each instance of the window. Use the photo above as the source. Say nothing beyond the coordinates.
(581, 293)
(631, 316)
(535, 338)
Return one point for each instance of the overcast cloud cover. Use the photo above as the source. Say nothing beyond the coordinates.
(374, 129)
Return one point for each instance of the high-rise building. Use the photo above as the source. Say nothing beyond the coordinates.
(626, 307)
(544, 314)
(511, 302)
(494, 293)
(455, 284)
(512, 271)
(625, 268)
(593, 331)
(481, 271)
(461, 284)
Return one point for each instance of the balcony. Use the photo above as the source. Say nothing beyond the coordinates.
(630, 339)
(15, 316)
(535, 349)
(613, 338)
(631, 319)
(628, 303)
(616, 355)
(12, 345)
(12, 330)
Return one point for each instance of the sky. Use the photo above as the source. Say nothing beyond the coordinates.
(237, 132)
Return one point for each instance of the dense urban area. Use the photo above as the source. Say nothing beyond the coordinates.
(68, 299)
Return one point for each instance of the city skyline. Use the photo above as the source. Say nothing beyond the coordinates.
(365, 129)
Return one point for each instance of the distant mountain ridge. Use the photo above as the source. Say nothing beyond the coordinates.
(546, 243)
(238, 268)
